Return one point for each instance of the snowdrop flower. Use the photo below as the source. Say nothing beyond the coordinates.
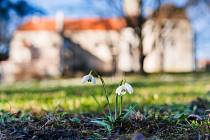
(89, 78)
(124, 88)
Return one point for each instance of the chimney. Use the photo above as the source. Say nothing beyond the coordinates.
(59, 20)
(131, 8)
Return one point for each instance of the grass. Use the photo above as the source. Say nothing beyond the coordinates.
(150, 90)
(64, 108)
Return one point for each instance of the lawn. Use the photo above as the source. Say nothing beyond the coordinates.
(162, 103)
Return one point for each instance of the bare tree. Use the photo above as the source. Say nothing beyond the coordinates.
(141, 20)
(21, 8)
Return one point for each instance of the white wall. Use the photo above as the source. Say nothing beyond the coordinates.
(168, 49)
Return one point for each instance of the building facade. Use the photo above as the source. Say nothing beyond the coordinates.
(51, 47)
(168, 41)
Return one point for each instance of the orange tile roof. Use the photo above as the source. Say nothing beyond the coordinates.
(79, 24)
(41, 24)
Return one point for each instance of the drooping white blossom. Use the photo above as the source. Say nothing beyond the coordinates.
(129, 88)
(124, 88)
(89, 78)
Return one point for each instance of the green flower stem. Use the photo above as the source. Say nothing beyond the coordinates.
(104, 88)
(116, 106)
(121, 103)
(106, 95)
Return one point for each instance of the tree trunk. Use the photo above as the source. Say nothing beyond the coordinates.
(141, 50)
(141, 21)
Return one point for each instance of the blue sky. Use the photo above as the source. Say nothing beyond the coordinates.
(82, 8)
(199, 15)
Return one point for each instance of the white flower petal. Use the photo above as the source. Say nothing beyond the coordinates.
(123, 92)
(129, 88)
(119, 90)
(86, 78)
(93, 79)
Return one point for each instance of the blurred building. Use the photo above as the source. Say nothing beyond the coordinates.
(43, 47)
(168, 41)
(203, 65)
(39, 48)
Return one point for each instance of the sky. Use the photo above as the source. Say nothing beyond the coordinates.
(199, 15)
